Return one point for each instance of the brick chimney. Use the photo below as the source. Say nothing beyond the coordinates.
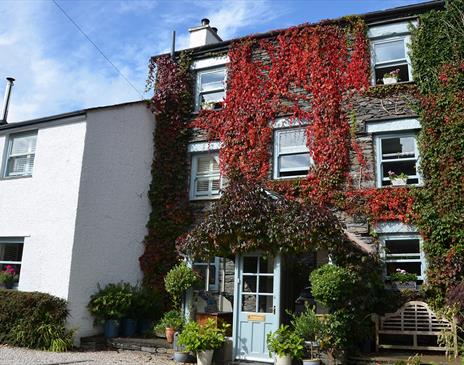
(203, 35)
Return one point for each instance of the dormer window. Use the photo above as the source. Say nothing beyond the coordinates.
(389, 52)
(210, 90)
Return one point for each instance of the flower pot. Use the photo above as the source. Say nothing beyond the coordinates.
(399, 182)
(111, 328)
(205, 357)
(9, 285)
(389, 80)
(311, 361)
(408, 285)
(128, 327)
(184, 357)
(144, 326)
(282, 360)
(170, 334)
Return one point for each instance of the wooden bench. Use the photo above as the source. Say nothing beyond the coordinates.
(415, 319)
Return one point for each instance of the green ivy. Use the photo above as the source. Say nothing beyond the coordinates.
(438, 64)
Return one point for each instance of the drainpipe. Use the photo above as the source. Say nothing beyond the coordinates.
(173, 45)
(6, 100)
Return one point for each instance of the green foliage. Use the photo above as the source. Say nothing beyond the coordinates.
(146, 304)
(34, 320)
(306, 325)
(333, 286)
(178, 280)
(402, 276)
(171, 319)
(337, 331)
(197, 338)
(284, 341)
(436, 42)
(438, 63)
(111, 302)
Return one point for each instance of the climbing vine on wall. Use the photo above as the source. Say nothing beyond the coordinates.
(438, 64)
(172, 103)
(304, 73)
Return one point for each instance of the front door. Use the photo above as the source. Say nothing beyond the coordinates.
(256, 305)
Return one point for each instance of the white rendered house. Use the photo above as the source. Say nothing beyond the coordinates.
(73, 201)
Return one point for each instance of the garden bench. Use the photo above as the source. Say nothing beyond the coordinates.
(416, 323)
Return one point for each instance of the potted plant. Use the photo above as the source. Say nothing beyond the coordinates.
(398, 180)
(391, 77)
(178, 280)
(401, 280)
(170, 323)
(8, 277)
(285, 344)
(146, 308)
(202, 339)
(109, 305)
(308, 327)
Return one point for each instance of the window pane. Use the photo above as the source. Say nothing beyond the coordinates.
(11, 251)
(266, 284)
(23, 144)
(20, 166)
(297, 162)
(215, 185)
(411, 267)
(398, 147)
(389, 51)
(289, 140)
(266, 264)
(403, 75)
(201, 270)
(398, 167)
(212, 80)
(249, 284)
(250, 264)
(202, 185)
(212, 97)
(402, 246)
(265, 304)
(248, 303)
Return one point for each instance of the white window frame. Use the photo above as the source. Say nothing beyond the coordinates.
(215, 263)
(198, 92)
(403, 236)
(9, 145)
(277, 153)
(193, 178)
(12, 240)
(379, 161)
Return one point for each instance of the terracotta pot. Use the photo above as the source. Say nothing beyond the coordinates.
(170, 334)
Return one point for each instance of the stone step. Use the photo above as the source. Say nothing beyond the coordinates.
(152, 345)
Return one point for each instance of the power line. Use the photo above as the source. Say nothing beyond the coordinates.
(98, 49)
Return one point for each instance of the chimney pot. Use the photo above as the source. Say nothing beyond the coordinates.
(214, 29)
(205, 21)
(6, 100)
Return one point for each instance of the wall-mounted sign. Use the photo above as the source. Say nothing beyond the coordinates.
(257, 317)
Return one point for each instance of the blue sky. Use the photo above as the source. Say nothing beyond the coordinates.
(57, 70)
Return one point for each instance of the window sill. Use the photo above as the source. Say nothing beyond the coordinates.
(299, 177)
(400, 186)
(203, 198)
(412, 82)
(15, 177)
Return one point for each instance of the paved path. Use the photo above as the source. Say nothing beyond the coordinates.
(21, 356)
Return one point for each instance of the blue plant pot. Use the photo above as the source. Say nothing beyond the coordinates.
(128, 327)
(111, 328)
(144, 326)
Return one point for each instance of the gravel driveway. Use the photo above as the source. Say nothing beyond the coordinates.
(21, 356)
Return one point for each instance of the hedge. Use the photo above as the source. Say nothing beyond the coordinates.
(35, 320)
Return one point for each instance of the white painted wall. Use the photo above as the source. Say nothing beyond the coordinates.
(42, 208)
(113, 207)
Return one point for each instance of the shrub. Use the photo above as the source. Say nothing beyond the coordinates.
(178, 280)
(284, 341)
(197, 338)
(306, 324)
(146, 304)
(111, 302)
(34, 320)
(333, 286)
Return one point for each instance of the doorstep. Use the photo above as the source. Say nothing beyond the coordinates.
(152, 345)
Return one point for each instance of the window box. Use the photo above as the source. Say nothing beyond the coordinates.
(408, 285)
(291, 154)
(20, 155)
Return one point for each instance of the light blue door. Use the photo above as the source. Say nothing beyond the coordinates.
(256, 305)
